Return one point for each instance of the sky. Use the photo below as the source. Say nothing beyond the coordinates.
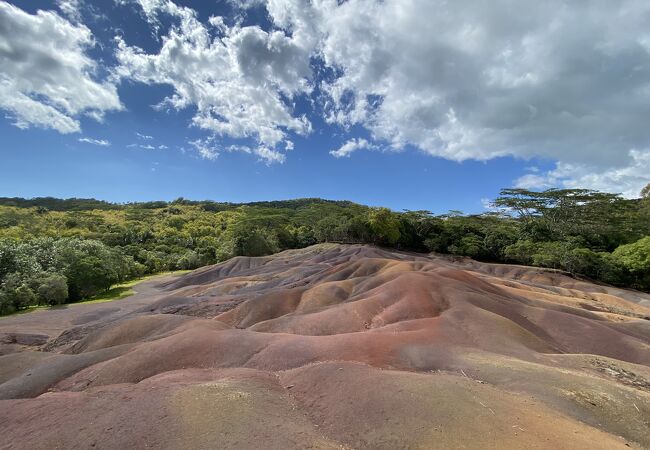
(409, 104)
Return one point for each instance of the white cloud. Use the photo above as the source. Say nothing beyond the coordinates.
(265, 154)
(241, 80)
(458, 80)
(71, 9)
(627, 180)
(472, 80)
(205, 148)
(46, 78)
(351, 146)
(146, 146)
(144, 136)
(488, 205)
(100, 142)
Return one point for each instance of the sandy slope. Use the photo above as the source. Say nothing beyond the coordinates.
(335, 347)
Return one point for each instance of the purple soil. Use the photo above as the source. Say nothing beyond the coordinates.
(335, 347)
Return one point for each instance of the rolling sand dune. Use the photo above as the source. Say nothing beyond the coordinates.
(335, 347)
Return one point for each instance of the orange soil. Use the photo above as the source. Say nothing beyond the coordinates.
(335, 347)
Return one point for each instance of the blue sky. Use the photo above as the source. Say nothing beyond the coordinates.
(406, 118)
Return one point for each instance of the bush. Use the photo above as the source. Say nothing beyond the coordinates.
(496, 241)
(438, 243)
(189, 260)
(6, 305)
(583, 261)
(521, 252)
(550, 254)
(53, 290)
(255, 242)
(635, 258)
(470, 245)
(384, 225)
(22, 297)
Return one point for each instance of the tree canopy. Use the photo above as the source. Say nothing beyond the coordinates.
(55, 251)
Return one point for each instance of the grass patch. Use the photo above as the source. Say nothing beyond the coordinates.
(123, 290)
(117, 292)
(27, 310)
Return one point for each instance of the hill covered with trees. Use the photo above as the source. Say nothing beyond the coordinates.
(54, 251)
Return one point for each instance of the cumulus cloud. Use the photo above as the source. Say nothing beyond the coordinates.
(205, 149)
(265, 154)
(240, 80)
(144, 136)
(46, 78)
(471, 80)
(71, 9)
(467, 80)
(100, 142)
(352, 146)
(627, 180)
(458, 80)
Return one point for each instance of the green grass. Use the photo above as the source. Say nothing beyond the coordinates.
(123, 290)
(117, 292)
(27, 310)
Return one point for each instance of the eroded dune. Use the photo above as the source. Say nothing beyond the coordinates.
(335, 347)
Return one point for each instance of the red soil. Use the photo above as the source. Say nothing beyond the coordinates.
(335, 347)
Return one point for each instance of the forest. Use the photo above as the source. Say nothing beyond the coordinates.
(55, 251)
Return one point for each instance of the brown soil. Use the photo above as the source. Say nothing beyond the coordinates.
(335, 347)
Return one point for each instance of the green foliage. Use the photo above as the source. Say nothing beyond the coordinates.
(385, 226)
(52, 289)
(255, 242)
(22, 297)
(645, 192)
(48, 271)
(635, 258)
(55, 251)
(521, 252)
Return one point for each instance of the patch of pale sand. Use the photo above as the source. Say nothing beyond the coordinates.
(606, 393)
(232, 413)
(366, 407)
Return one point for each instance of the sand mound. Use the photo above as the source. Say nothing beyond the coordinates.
(337, 347)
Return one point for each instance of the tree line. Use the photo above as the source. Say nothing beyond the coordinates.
(54, 251)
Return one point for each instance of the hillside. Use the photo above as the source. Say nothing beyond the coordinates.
(335, 346)
(55, 251)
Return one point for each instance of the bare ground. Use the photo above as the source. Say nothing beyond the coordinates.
(335, 347)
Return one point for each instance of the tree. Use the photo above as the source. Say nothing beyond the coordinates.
(583, 261)
(645, 192)
(416, 227)
(470, 245)
(385, 225)
(255, 242)
(91, 266)
(325, 229)
(189, 260)
(521, 252)
(6, 305)
(22, 297)
(496, 241)
(53, 290)
(635, 258)
(88, 276)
